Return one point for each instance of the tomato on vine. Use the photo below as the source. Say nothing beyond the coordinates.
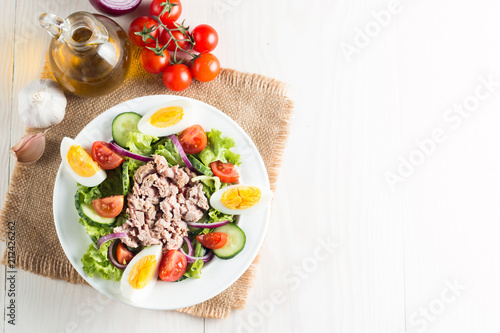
(205, 38)
(205, 67)
(182, 40)
(177, 77)
(143, 26)
(171, 10)
(153, 61)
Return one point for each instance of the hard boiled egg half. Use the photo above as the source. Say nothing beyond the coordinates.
(170, 118)
(80, 164)
(141, 273)
(240, 199)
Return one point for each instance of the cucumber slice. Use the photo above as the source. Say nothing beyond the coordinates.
(125, 178)
(123, 124)
(236, 240)
(88, 213)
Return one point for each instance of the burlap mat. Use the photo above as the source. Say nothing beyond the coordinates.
(258, 104)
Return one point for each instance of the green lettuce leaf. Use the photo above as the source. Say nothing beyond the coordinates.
(210, 184)
(215, 216)
(167, 149)
(113, 184)
(95, 232)
(218, 149)
(139, 143)
(96, 263)
(89, 193)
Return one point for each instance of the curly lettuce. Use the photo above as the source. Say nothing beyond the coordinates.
(218, 149)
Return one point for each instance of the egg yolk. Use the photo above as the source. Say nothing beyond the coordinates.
(241, 197)
(80, 161)
(142, 272)
(166, 117)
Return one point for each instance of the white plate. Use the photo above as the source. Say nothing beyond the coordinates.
(218, 274)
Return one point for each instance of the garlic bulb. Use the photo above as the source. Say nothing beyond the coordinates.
(30, 148)
(42, 104)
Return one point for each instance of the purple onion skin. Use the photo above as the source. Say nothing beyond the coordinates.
(97, 4)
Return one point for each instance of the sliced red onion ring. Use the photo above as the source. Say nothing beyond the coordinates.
(127, 153)
(190, 246)
(178, 145)
(112, 258)
(115, 7)
(106, 238)
(207, 225)
(206, 258)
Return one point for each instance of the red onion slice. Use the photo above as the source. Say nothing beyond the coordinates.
(115, 7)
(206, 258)
(106, 238)
(127, 153)
(178, 145)
(112, 258)
(207, 225)
(190, 246)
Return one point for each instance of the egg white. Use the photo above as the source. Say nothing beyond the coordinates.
(145, 127)
(91, 181)
(137, 294)
(215, 201)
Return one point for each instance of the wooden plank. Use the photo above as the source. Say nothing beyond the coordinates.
(6, 69)
(451, 199)
(332, 189)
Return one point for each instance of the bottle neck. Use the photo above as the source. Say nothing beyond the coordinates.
(81, 30)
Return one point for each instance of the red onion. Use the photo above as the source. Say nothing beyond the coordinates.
(115, 7)
(178, 145)
(190, 246)
(106, 238)
(127, 153)
(207, 225)
(112, 258)
(206, 258)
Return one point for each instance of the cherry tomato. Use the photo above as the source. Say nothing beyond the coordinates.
(193, 139)
(169, 17)
(206, 67)
(165, 38)
(205, 38)
(123, 256)
(137, 25)
(154, 63)
(109, 206)
(177, 77)
(172, 266)
(104, 156)
(225, 171)
(212, 240)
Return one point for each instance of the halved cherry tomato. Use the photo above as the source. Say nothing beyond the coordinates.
(123, 256)
(108, 207)
(172, 266)
(212, 240)
(193, 139)
(105, 157)
(225, 171)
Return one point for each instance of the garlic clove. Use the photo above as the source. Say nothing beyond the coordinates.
(30, 148)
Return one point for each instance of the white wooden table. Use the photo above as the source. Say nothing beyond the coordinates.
(387, 213)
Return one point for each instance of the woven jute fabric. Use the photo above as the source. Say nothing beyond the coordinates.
(258, 104)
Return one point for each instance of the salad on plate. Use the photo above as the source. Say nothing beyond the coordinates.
(160, 200)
